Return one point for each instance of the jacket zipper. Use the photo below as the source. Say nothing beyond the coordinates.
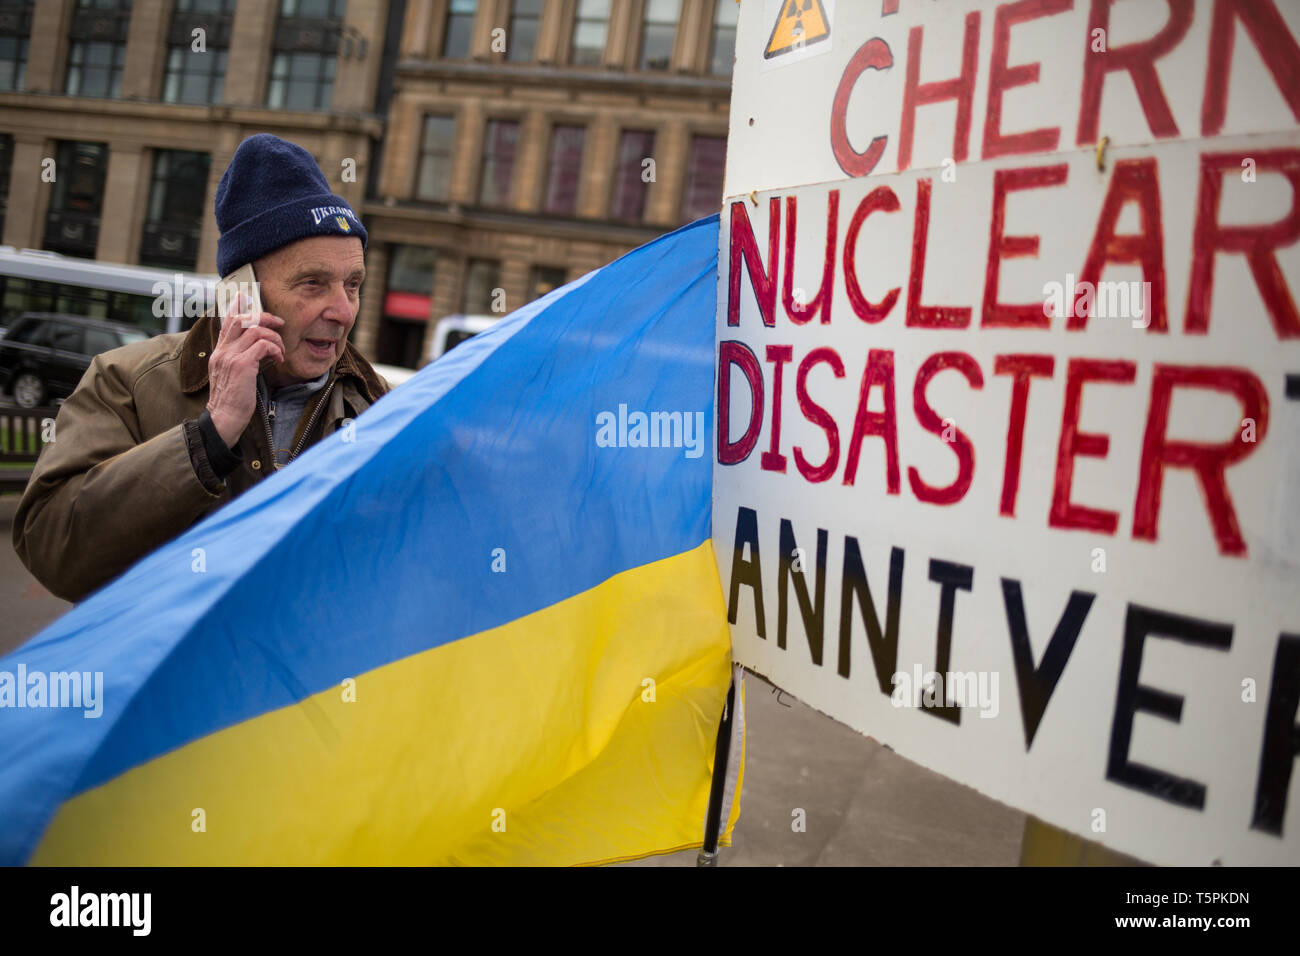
(266, 423)
(311, 422)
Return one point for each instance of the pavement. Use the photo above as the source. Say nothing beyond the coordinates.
(25, 605)
(863, 804)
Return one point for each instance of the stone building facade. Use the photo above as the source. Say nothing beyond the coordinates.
(494, 148)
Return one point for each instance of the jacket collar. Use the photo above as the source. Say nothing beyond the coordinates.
(202, 339)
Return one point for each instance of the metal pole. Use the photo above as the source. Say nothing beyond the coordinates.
(708, 855)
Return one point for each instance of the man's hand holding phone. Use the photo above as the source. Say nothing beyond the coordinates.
(249, 338)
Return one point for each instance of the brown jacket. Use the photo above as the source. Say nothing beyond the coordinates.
(127, 471)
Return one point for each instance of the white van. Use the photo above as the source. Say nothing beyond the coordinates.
(451, 330)
(394, 375)
(447, 334)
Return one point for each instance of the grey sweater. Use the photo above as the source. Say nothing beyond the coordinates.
(284, 407)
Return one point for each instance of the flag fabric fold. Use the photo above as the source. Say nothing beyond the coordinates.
(480, 625)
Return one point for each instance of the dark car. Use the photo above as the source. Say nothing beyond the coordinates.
(43, 355)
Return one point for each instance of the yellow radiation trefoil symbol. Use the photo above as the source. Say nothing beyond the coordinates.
(799, 24)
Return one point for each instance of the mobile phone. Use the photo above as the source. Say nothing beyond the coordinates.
(244, 281)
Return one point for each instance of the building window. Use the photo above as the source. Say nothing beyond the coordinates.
(524, 18)
(305, 49)
(565, 170)
(436, 146)
(15, 29)
(590, 28)
(500, 143)
(13, 62)
(410, 270)
(197, 76)
(723, 55)
(658, 32)
(95, 69)
(97, 48)
(303, 9)
(6, 167)
(460, 29)
(630, 185)
(408, 305)
(194, 77)
(482, 279)
(544, 279)
(301, 81)
(72, 221)
(704, 171)
(177, 199)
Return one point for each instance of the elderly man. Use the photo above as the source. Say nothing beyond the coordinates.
(161, 433)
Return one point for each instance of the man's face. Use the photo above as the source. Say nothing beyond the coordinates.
(314, 285)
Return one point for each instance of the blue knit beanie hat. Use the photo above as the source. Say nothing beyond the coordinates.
(272, 194)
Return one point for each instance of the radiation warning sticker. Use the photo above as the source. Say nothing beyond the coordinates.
(800, 28)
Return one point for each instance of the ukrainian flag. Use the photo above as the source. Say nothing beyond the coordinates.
(460, 631)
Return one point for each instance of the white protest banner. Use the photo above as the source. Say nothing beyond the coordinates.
(1007, 471)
